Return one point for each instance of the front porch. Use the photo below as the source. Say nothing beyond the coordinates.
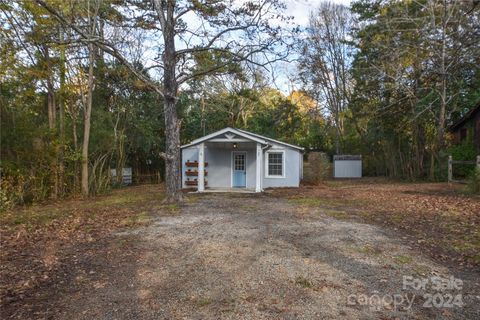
(224, 166)
(226, 190)
(232, 159)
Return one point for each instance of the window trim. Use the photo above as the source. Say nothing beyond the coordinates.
(282, 151)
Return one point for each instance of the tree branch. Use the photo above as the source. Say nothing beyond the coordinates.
(106, 47)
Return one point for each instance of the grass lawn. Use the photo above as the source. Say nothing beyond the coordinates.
(112, 208)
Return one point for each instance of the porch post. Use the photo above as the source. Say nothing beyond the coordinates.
(201, 168)
(259, 162)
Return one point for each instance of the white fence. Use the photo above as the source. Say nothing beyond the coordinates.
(126, 175)
(347, 166)
(451, 162)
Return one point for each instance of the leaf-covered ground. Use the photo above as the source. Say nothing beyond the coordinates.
(438, 218)
(40, 243)
(287, 253)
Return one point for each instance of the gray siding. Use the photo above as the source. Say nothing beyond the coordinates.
(219, 158)
(190, 154)
(218, 167)
(292, 169)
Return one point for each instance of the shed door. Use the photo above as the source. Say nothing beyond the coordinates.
(348, 169)
(239, 178)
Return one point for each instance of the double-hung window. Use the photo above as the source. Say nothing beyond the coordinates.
(275, 164)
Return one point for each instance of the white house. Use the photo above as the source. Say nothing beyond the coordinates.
(234, 158)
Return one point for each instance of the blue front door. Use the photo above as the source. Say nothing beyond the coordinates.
(239, 170)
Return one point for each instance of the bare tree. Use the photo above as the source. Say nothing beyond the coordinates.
(425, 49)
(91, 22)
(449, 45)
(325, 61)
(182, 31)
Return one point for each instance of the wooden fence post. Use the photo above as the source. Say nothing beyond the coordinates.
(450, 160)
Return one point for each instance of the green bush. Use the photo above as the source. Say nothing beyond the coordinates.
(317, 168)
(474, 182)
(12, 190)
(464, 151)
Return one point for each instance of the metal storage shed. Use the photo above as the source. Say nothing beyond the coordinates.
(347, 166)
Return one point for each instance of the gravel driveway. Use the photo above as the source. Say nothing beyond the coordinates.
(231, 256)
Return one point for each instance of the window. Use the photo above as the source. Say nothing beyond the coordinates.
(275, 163)
(239, 163)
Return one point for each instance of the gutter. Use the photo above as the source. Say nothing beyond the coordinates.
(268, 146)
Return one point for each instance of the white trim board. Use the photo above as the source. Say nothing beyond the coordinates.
(243, 134)
(223, 131)
(272, 140)
(283, 163)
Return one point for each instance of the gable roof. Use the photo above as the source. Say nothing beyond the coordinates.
(469, 115)
(242, 133)
(273, 140)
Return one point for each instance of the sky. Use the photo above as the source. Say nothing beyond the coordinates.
(283, 72)
(300, 10)
(282, 75)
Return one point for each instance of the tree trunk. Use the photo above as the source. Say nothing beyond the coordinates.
(443, 102)
(52, 121)
(443, 89)
(337, 133)
(120, 150)
(86, 124)
(75, 147)
(61, 118)
(172, 124)
(203, 121)
(51, 103)
(172, 159)
(431, 175)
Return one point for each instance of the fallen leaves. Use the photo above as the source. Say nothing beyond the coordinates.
(442, 220)
(34, 240)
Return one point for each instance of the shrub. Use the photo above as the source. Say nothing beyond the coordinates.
(474, 182)
(317, 169)
(12, 190)
(463, 151)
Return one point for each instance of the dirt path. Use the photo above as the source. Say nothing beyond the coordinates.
(226, 256)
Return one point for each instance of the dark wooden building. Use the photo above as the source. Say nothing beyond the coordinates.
(468, 128)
